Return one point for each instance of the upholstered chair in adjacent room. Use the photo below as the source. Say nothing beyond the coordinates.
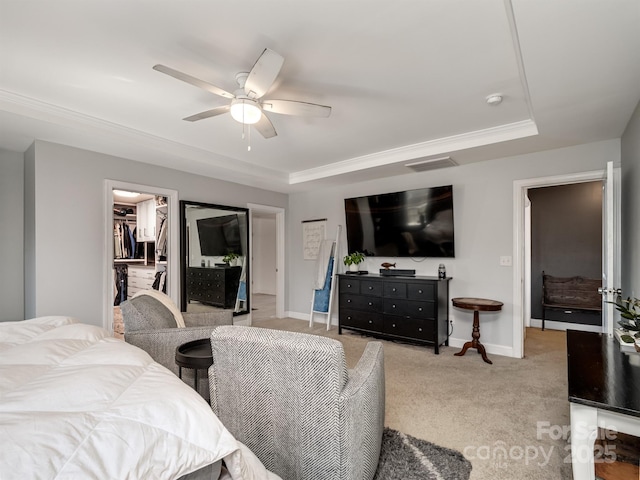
(290, 398)
(151, 322)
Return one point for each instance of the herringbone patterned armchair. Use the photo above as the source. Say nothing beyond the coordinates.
(151, 326)
(290, 398)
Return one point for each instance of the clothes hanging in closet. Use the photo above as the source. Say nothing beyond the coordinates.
(120, 279)
(161, 244)
(160, 282)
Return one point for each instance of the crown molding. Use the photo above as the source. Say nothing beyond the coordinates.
(438, 146)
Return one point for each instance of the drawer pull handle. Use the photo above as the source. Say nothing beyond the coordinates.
(419, 291)
(349, 318)
(349, 301)
(348, 285)
(370, 304)
(393, 289)
(393, 325)
(420, 329)
(419, 309)
(370, 288)
(393, 306)
(370, 321)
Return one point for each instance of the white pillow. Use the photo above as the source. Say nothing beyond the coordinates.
(167, 302)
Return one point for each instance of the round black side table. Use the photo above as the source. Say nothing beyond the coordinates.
(195, 354)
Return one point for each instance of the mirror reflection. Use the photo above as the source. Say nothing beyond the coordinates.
(215, 257)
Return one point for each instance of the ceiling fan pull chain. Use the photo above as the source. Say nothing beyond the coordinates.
(249, 146)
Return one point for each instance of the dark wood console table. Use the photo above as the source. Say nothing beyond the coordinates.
(477, 305)
(414, 309)
(604, 391)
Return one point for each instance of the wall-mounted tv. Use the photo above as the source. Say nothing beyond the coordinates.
(219, 236)
(414, 223)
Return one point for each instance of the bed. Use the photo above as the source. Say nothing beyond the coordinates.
(77, 403)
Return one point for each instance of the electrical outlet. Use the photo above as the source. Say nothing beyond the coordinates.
(506, 261)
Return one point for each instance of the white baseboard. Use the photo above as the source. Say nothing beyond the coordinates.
(564, 326)
(489, 347)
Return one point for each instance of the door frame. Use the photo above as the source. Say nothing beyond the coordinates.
(280, 250)
(173, 248)
(520, 188)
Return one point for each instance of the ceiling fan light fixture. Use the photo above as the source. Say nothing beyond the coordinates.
(245, 110)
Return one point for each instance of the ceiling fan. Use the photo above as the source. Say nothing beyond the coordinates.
(247, 105)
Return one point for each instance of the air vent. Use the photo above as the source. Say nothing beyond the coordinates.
(431, 164)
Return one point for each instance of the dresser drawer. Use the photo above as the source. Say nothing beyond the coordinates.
(395, 289)
(409, 308)
(350, 285)
(371, 287)
(143, 283)
(360, 319)
(421, 292)
(140, 272)
(360, 302)
(408, 327)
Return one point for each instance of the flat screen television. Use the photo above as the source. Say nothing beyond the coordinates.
(414, 223)
(219, 236)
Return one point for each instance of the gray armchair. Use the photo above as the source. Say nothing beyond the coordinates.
(290, 398)
(150, 325)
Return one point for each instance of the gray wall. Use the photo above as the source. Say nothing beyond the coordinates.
(67, 185)
(566, 234)
(630, 154)
(11, 228)
(483, 215)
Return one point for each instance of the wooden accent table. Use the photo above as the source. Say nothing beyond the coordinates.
(477, 305)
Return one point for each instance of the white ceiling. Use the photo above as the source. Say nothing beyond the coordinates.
(407, 80)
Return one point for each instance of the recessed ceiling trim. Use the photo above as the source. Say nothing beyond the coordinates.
(439, 146)
(33, 108)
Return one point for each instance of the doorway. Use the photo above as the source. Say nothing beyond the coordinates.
(151, 221)
(267, 262)
(566, 224)
(521, 271)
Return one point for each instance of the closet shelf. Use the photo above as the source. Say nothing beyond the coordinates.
(128, 260)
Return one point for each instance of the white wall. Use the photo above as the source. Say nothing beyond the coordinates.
(264, 255)
(483, 215)
(68, 224)
(11, 228)
(630, 153)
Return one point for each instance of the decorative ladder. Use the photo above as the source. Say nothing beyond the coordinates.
(334, 253)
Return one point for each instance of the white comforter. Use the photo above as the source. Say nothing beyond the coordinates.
(78, 404)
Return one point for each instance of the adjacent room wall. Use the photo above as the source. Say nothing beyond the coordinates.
(68, 225)
(483, 215)
(566, 239)
(11, 236)
(630, 254)
(264, 255)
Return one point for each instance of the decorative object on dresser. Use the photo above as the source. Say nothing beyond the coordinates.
(352, 261)
(414, 309)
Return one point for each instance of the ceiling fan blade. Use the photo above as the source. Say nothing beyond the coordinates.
(263, 74)
(192, 80)
(209, 113)
(291, 107)
(265, 127)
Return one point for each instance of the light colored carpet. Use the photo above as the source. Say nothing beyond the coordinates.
(490, 413)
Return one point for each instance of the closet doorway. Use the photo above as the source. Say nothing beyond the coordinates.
(267, 262)
(142, 251)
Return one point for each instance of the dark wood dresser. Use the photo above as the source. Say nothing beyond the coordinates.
(217, 286)
(414, 309)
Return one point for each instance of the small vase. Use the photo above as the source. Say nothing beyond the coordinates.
(354, 267)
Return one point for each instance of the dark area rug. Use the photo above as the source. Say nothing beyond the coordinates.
(404, 457)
